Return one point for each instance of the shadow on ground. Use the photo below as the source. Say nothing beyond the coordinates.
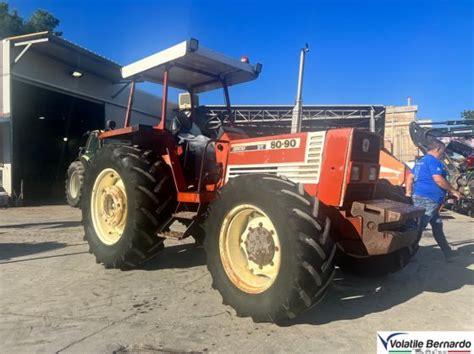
(14, 250)
(351, 297)
(177, 256)
(44, 225)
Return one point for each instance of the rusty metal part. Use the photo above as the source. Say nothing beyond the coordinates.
(386, 225)
(187, 215)
(112, 205)
(260, 245)
(172, 234)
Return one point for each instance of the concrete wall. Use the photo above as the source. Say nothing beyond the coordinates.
(397, 135)
(5, 124)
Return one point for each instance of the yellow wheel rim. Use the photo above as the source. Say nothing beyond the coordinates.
(250, 249)
(109, 206)
(74, 184)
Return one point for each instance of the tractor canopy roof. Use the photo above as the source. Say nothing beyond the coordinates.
(192, 67)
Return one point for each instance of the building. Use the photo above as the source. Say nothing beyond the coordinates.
(52, 92)
(397, 136)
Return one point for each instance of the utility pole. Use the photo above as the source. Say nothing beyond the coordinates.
(298, 109)
(372, 119)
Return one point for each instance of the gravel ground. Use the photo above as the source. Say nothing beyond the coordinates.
(55, 298)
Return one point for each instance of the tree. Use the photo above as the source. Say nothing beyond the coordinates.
(11, 24)
(40, 21)
(467, 114)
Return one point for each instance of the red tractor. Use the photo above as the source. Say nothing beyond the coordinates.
(276, 213)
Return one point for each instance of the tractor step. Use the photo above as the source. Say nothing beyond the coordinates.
(185, 215)
(177, 235)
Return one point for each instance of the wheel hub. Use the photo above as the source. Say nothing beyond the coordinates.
(113, 205)
(250, 248)
(259, 245)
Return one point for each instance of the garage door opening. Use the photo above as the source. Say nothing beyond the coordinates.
(48, 130)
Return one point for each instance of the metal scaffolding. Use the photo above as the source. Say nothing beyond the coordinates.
(262, 119)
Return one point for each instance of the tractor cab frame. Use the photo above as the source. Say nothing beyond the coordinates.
(195, 69)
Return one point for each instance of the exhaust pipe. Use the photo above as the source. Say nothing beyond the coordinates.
(298, 109)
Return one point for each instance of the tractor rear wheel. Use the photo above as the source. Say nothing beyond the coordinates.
(128, 195)
(268, 248)
(75, 183)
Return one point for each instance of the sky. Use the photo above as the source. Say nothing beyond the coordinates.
(361, 52)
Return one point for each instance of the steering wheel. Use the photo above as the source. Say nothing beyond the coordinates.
(213, 123)
(185, 122)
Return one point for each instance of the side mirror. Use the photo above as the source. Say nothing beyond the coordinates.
(110, 125)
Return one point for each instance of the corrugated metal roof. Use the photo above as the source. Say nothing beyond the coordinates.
(70, 53)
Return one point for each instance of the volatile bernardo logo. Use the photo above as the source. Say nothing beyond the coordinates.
(425, 342)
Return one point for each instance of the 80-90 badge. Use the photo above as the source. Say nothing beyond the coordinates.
(276, 144)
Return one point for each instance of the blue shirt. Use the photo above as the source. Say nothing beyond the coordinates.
(424, 170)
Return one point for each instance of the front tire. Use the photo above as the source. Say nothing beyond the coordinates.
(75, 183)
(268, 248)
(128, 195)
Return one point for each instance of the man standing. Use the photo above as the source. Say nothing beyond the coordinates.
(428, 186)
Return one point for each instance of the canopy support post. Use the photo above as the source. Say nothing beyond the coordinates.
(164, 102)
(129, 105)
(227, 101)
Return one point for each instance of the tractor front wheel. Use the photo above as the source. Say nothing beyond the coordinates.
(128, 195)
(75, 183)
(268, 248)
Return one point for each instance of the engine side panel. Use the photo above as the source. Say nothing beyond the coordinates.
(336, 166)
(295, 156)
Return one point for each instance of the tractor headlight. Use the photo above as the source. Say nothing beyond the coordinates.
(372, 173)
(355, 173)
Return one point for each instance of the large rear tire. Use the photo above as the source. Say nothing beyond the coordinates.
(75, 183)
(268, 248)
(128, 195)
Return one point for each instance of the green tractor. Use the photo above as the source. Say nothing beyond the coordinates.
(77, 169)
